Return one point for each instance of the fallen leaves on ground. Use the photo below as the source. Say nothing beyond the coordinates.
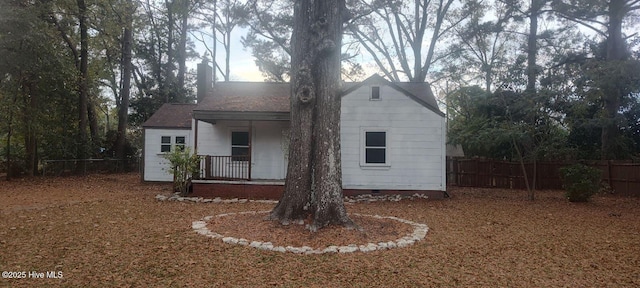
(108, 230)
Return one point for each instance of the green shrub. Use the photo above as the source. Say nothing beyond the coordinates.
(184, 166)
(580, 182)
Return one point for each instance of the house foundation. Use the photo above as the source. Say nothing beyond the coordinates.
(272, 190)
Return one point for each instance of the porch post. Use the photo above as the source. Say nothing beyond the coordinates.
(207, 167)
(250, 149)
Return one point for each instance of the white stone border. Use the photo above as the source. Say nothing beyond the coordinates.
(419, 233)
(364, 198)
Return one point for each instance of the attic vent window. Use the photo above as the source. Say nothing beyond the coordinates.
(375, 93)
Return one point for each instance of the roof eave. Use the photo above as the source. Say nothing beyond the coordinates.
(166, 127)
(212, 116)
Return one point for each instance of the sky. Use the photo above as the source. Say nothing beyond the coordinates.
(242, 63)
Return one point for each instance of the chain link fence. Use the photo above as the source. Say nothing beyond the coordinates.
(67, 167)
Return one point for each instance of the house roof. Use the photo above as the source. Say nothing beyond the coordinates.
(171, 115)
(247, 97)
(270, 101)
(245, 101)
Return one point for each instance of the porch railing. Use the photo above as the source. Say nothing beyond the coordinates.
(226, 167)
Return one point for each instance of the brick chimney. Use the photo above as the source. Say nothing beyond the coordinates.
(205, 80)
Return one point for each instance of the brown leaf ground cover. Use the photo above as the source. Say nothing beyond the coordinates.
(108, 230)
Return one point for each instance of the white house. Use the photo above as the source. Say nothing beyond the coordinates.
(392, 139)
(168, 128)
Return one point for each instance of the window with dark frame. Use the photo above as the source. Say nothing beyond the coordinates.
(375, 148)
(375, 93)
(180, 142)
(165, 144)
(240, 146)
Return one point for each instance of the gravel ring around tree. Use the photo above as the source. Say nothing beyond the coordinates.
(419, 233)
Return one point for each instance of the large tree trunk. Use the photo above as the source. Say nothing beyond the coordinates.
(181, 54)
(329, 205)
(615, 52)
(169, 81)
(294, 204)
(125, 91)
(532, 55)
(315, 118)
(83, 87)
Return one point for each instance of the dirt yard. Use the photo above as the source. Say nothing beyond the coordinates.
(109, 230)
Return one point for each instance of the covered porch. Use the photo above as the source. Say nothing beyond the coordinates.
(242, 146)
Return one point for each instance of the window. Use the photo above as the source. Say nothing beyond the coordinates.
(165, 142)
(375, 148)
(180, 142)
(375, 93)
(239, 146)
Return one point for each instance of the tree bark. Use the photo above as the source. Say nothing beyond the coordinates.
(92, 116)
(294, 204)
(329, 205)
(83, 83)
(125, 91)
(532, 49)
(314, 180)
(181, 54)
(166, 87)
(615, 52)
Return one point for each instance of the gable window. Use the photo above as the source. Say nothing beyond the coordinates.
(375, 93)
(375, 147)
(239, 146)
(165, 144)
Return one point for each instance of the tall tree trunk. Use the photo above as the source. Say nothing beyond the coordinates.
(125, 91)
(615, 52)
(30, 141)
(227, 57)
(295, 202)
(181, 54)
(215, 40)
(532, 49)
(9, 134)
(530, 91)
(83, 83)
(92, 116)
(314, 178)
(329, 208)
(168, 85)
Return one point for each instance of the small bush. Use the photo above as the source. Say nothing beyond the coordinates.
(580, 182)
(184, 166)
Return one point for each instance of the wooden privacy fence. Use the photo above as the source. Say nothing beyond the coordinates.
(622, 177)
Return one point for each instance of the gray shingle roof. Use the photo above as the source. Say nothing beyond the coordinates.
(252, 98)
(171, 115)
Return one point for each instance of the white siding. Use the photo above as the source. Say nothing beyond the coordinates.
(267, 157)
(415, 142)
(155, 166)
